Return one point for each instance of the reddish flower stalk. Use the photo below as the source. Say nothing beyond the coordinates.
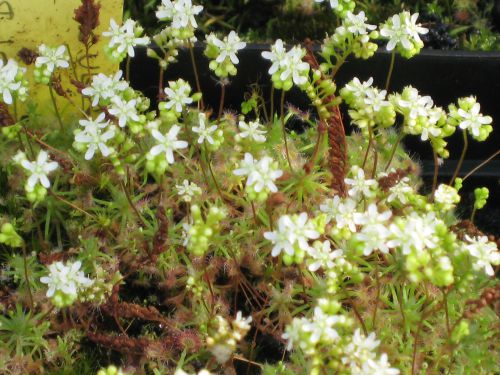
(336, 132)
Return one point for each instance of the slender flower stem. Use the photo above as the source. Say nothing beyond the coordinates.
(462, 157)
(481, 165)
(127, 69)
(195, 70)
(221, 103)
(391, 69)
(28, 285)
(131, 203)
(212, 172)
(374, 317)
(282, 120)
(75, 207)
(445, 304)
(254, 213)
(359, 317)
(436, 170)
(56, 109)
(370, 139)
(393, 151)
(375, 158)
(272, 103)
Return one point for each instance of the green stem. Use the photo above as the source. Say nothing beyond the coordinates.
(212, 172)
(370, 139)
(221, 103)
(56, 109)
(28, 286)
(462, 157)
(282, 120)
(272, 102)
(436, 169)
(195, 70)
(127, 69)
(391, 69)
(131, 203)
(473, 215)
(393, 151)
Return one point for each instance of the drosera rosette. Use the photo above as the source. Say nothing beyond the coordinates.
(13, 82)
(403, 34)
(223, 53)
(65, 282)
(49, 59)
(38, 180)
(123, 39)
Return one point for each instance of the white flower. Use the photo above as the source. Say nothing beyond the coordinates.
(125, 38)
(52, 57)
(295, 67)
(8, 84)
(359, 185)
(241, 325)
(400, 191)
(247, 166)
(228, 47)
(333, 3)
(380, 366)
(473, 120)
(402, 29)
(261, 174)
(321, 327)
(446, 196)
(292, 231)
(168, 143)
(123, 110)
(252, 130)
(358, 89)
(94, 136)
(374, 233)
(359, 350)
(188, 190)
(105, 87)
(66, 278)
(414, 232)
(205, 134)
(485, 253)
(277, 56)
(355, 23)
(181, 12)
(340, 210)
(39, 170)
(323, 256)
(178, 93)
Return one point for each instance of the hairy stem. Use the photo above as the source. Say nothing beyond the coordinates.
(462, 157)
(391, 69)
(56, 109)
(393, 150)
(221, 103)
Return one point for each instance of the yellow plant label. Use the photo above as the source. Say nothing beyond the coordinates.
(29, 23)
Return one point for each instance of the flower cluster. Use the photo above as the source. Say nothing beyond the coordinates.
(13, 83)
(369, 106)
(341, 7)
(224, 337)
(188, 190)
(38, 181)
(251, 131)
(123, 39)
(287, 68)
(222, 53)
(467, 116)
(48, 60)
(104, 88)
(65, 282)
(162, 154)
(292, 237)
(182, 14)
(261, 176)
(403, 33)
(200, 234)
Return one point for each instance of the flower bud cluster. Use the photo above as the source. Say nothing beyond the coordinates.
(224, 336)
(287, 68)
(182, 14)
(222, 53)
(9, 236)
(123, 39)
(201, 232)
(403, 33)
(467, 116)
(369, 107)
(48, 60)
(341, 7)
(13, 82)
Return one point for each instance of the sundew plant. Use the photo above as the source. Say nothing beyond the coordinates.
(184, 239)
